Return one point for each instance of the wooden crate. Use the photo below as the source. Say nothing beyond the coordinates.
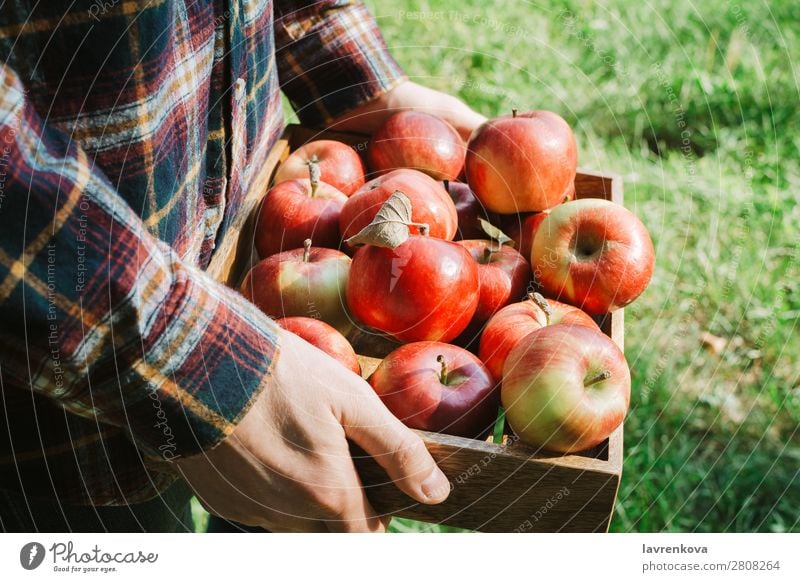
(496, 487)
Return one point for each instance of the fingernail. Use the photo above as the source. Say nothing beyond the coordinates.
(435, 487)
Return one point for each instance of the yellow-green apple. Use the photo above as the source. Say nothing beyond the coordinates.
(339, 164)
(424, 289)
(437, 387)
(565, 388)
(503, 276)
(325, 337)
(295, 210)
(430, 204)
(424, 142)
(307, 282)
(594, 254)
(522, 162)
(514, 322)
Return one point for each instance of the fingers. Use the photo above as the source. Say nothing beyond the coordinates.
(358, 516)
(465, 121)
(368, 423)
(340, 497)
(316, 457)
(403, 455)
(245, 511)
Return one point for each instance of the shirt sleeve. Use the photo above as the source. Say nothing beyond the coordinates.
(331, 58)
(103, 318)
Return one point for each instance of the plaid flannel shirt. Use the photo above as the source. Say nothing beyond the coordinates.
(129, 131)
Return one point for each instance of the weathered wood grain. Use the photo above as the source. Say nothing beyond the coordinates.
(235, 253)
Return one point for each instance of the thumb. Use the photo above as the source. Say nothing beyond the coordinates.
(402, 454)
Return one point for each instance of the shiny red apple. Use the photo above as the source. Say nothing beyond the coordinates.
(514, 322)
(430, 204)
(307, 282)
(503, 276)
(522, 162)
(565, 388)
(421, 141)
(339, 164)
(425, 289)
(295, 210)
(594, 254)
(325, 337)
(437, 387)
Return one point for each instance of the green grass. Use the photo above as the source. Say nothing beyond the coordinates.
(697, 107)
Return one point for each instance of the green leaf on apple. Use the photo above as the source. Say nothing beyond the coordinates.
(495, 233)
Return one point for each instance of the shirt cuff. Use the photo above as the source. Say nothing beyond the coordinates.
(213, 357)
(332, 59)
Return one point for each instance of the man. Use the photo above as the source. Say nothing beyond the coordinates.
(130, 132)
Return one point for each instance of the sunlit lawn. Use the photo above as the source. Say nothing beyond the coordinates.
(698, 111)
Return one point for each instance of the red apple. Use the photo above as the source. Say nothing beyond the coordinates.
(469, 209)
(339, 164)
(522, 163)
(430, 204)
(437, 387)
(565, 388)
(321, 335)
(521, 228)
(594, 254)
(424, 142)
(295, 210)
(503, 276)
(514, 322)
(425, 289)
(308, 282)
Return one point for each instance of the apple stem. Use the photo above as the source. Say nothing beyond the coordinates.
(513, 113)
(443, 372)
(306, 250)
(542, 304)
(314, 174)
(424, 229)
(488, 252)
(447, 186)
(604, 375)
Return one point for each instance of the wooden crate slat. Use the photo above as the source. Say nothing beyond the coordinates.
(235, 254)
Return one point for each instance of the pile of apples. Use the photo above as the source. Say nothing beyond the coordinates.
(423, 252)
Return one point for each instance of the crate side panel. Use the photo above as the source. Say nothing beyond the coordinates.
(502, 494)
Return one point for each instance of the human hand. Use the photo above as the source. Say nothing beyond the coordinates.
(408, 95)
(287, 466)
